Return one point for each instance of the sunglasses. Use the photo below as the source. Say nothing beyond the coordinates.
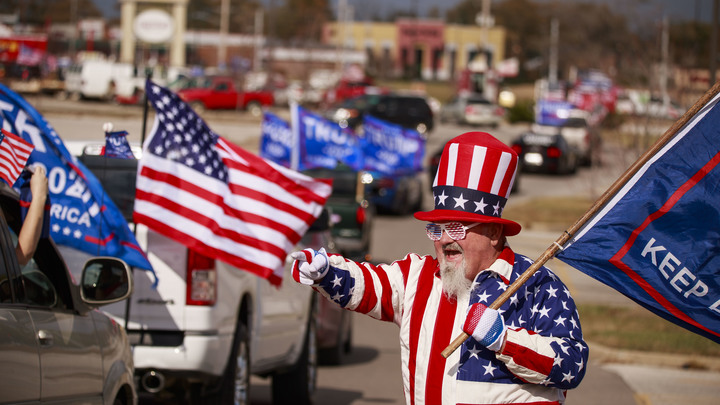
(455, 230)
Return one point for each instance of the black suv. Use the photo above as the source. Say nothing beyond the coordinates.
(409, 111)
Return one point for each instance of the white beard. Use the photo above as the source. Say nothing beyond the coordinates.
(455, 284)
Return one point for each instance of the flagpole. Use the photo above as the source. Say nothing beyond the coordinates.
(604, 198)
(295, 130)
(145, 110)
(134, 225)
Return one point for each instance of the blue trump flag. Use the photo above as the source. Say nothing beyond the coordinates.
(81, 215)
(657, 240)
(552, 112)
(324, 143)
(390, 148)
(117, 146)
(276, 141)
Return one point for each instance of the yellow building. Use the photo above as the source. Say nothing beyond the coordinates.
(426, 49)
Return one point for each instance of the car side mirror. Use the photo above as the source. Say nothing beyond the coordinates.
(105, 280)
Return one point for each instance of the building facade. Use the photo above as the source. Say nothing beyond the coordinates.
(419, 49)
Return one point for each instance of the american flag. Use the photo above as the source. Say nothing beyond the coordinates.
(29, 56)
(14, 153)
(218, 199)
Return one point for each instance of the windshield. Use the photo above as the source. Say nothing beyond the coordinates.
(344, 181)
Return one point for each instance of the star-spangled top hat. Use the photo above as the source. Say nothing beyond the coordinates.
(473, 181)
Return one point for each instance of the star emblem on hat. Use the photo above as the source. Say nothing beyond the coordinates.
(496, 209)
(480, 205)
(441, 198)
(460, 202)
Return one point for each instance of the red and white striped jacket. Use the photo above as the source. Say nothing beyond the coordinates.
(544, 354)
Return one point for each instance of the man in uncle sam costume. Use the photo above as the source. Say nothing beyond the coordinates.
(530, 350)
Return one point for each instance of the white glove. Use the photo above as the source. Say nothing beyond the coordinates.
(310, 265)
(486, 325)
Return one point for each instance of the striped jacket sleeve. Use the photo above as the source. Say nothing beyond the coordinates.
(375, 290)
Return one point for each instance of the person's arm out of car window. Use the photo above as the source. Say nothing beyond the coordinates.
(32, 226)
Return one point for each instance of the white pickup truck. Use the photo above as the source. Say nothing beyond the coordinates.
(207, 326)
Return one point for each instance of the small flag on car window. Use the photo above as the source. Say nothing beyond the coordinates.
(14, 153)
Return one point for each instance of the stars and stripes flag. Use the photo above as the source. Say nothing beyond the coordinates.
(14, 154)
(657, 239)
(218, 199)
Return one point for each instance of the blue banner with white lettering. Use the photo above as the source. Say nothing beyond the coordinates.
(324, 143)
(552, 112)
(81, 214)
(117, 146)
(390, 148)
(276, 141)
(657, 240)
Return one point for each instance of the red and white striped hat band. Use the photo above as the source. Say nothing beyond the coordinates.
(473, 181)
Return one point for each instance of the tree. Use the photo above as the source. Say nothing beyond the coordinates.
(41, 12)
(300, 20)
(205, 15)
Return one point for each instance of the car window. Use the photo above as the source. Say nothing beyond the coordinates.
(6, 281)
(574, 122)
(478, 101)
(44, 280)
(344, 181)
(417, 107)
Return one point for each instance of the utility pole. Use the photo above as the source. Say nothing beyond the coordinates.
(485, 18)
(73, 28)
(224, 24)
(553, 65)
(665, 43)
(257, 64)
(340, 33)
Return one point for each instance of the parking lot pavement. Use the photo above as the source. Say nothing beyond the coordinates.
(655, 385)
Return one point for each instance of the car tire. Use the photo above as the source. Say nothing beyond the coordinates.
(235, 384)
(422, 128)
(254, 108)
(297, 385)
(198, 107)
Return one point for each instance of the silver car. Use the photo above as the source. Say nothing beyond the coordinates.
(472, 110)
(54, 346)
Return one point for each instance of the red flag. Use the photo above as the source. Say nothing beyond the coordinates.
(218, 199)
(14, 153)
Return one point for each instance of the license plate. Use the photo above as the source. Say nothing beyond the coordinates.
(533, 159)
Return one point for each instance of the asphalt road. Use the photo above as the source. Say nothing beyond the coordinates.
(371, 373)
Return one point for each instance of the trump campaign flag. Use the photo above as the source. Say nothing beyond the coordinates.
(216, 198)
(276, 141)
(117, 146)
(318, 142)
(81, 215)
(390, 148)
(14, 154)
(657, 239)
(324, 143)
